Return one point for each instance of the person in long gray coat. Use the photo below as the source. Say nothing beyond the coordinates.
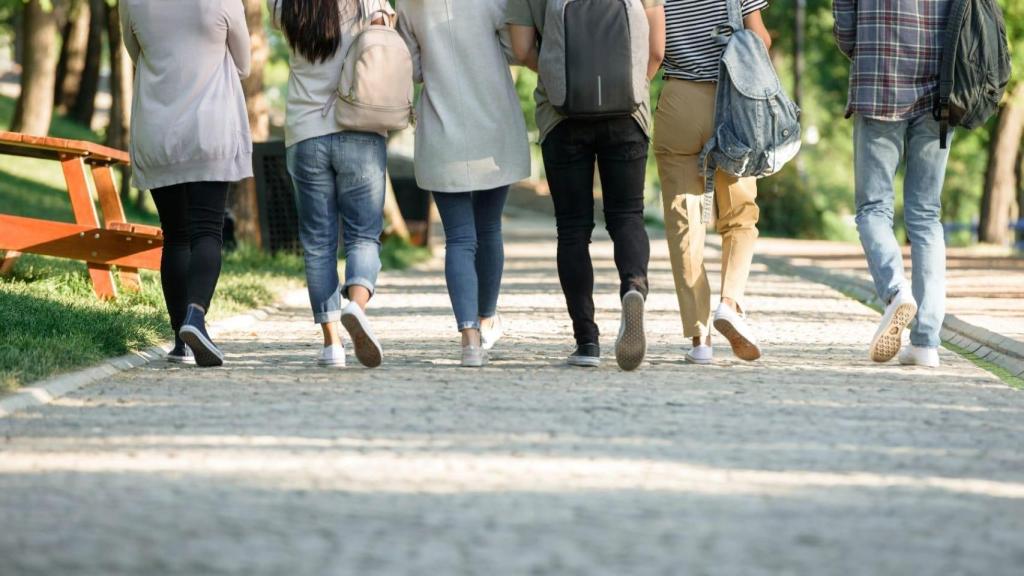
(471, 144)
(190, 139)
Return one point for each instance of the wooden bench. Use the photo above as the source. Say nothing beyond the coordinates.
(114, 242)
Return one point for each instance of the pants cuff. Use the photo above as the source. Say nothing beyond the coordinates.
(468, 325)
(357, 281)
(327, 317)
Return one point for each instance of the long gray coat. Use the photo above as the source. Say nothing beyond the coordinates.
(470, 133)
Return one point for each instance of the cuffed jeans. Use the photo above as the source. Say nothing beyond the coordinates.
(879, 148)
(474, 252)
(684, 123)
(619, 146)
(340, 175)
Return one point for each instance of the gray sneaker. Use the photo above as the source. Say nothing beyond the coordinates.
(473, 357)
(631, 345)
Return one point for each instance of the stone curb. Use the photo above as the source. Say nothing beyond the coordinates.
(48, 390)
(996, 348)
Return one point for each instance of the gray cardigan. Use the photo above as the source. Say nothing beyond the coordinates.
(470, 133)
(189, 122)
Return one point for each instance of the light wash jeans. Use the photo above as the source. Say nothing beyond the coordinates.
(339, 175)
(879, 149)
(474, 252)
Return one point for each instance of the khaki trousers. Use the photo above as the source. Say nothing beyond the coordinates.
(683, 124)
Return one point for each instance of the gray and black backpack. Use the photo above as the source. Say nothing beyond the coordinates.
(594, 56)
(757, 127)
(975, 66)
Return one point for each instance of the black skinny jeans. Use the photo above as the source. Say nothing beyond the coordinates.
(192, 216)
(619, 146)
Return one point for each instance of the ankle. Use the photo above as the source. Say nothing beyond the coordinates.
(471, 337)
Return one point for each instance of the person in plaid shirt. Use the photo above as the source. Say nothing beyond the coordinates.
(896, 47)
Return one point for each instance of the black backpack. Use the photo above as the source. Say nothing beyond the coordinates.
(975, 66)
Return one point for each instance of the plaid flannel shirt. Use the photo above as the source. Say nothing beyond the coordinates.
(896, 49)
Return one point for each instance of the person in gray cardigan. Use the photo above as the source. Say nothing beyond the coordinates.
(189, 139)
(471, 144)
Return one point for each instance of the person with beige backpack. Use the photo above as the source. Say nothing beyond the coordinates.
(350, 83)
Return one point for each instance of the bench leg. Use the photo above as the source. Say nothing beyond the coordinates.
(130, 279)
(113, 211)
(7, 262)
(85, 214)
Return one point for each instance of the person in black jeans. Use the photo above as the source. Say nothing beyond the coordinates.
(619, 146)
(192, 218)
(571, 146)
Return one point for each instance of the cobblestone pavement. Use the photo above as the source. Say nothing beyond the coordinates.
(812, 461)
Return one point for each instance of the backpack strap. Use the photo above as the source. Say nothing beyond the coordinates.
(947, 69)
(369, 12)
(723, 32)
(735, 14)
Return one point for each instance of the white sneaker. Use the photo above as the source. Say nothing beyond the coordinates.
(889, 336)
(702, 354)
(491, 333)
(919, 356)
(332, 356)
(365, 344)
(733, 326)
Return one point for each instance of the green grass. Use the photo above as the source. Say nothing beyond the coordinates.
(1000, 372)
(50, 321)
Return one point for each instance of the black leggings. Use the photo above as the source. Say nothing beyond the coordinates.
(619, 147)
(192, 216)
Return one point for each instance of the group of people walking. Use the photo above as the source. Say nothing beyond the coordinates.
(191, 138)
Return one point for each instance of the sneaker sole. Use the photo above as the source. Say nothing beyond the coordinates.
(366, 350)
(887, 345)
(691, 360)
(206, 353)
(584, 362)
(743, 349)
(631, 346)
(323, 364)
(190, 361)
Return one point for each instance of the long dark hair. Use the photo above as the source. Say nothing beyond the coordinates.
(312, 27)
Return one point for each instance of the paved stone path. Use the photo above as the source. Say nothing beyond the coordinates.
(984, 286)
(813, 461)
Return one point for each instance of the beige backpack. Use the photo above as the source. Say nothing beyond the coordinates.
(375, 93)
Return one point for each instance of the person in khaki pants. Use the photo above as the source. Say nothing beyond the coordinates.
(684, 122)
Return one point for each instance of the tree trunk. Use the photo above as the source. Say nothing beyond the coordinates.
(243, 202)
(118, 131)
(34, 110)
(71, 63)
(1001, 178)
(84, 106)
(19, 37)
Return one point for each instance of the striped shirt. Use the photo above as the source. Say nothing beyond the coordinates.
(690, 51)
(896, 48)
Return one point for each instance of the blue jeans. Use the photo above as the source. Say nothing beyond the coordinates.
(474, 252)
(339, 175)
(879, 148)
